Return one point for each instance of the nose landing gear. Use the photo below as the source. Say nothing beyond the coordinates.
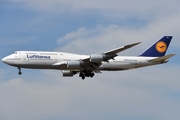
(19, 71)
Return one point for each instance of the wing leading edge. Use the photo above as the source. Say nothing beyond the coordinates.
(117, 50)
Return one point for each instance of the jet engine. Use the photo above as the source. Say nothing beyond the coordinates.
(97, 58)
(68, 73)
(74, 64)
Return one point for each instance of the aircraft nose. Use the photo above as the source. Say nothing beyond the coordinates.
(4, 60)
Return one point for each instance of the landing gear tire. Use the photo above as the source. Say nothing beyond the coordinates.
(83, 77)
(92, 75)
(20, 73)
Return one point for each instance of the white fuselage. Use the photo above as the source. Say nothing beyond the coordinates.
(45, 60)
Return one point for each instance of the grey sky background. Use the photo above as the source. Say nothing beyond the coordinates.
(88, 27)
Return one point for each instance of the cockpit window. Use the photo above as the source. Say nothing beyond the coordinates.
(15, 52)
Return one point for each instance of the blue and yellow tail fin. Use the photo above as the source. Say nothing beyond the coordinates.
(159, 48)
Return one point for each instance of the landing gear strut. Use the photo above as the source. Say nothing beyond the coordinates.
(19, 71)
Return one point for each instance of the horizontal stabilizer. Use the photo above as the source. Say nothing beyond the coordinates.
(163, 58)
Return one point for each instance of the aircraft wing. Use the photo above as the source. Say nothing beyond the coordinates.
(60, 63)
(117, 50)
(161, 59)
(92, 62)
(108, 54)
(95, 60)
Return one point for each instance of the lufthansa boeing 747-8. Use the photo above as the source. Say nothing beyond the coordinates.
(88, 65)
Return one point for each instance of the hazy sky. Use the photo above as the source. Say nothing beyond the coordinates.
(86, 27)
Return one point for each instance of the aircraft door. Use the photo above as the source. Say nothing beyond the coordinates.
(24, 57)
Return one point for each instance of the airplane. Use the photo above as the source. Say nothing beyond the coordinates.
(87, 65)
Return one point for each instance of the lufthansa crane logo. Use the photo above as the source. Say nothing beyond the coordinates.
(161, 47)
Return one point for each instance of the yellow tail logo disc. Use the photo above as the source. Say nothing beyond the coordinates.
(161, 47)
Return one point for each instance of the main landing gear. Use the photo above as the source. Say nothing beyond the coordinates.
(19, 71)
(85, 73)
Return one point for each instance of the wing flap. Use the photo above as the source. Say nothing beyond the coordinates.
(163, 58)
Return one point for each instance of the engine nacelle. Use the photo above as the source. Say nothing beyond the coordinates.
(97, 58)
(68, 73)
(74, 64)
